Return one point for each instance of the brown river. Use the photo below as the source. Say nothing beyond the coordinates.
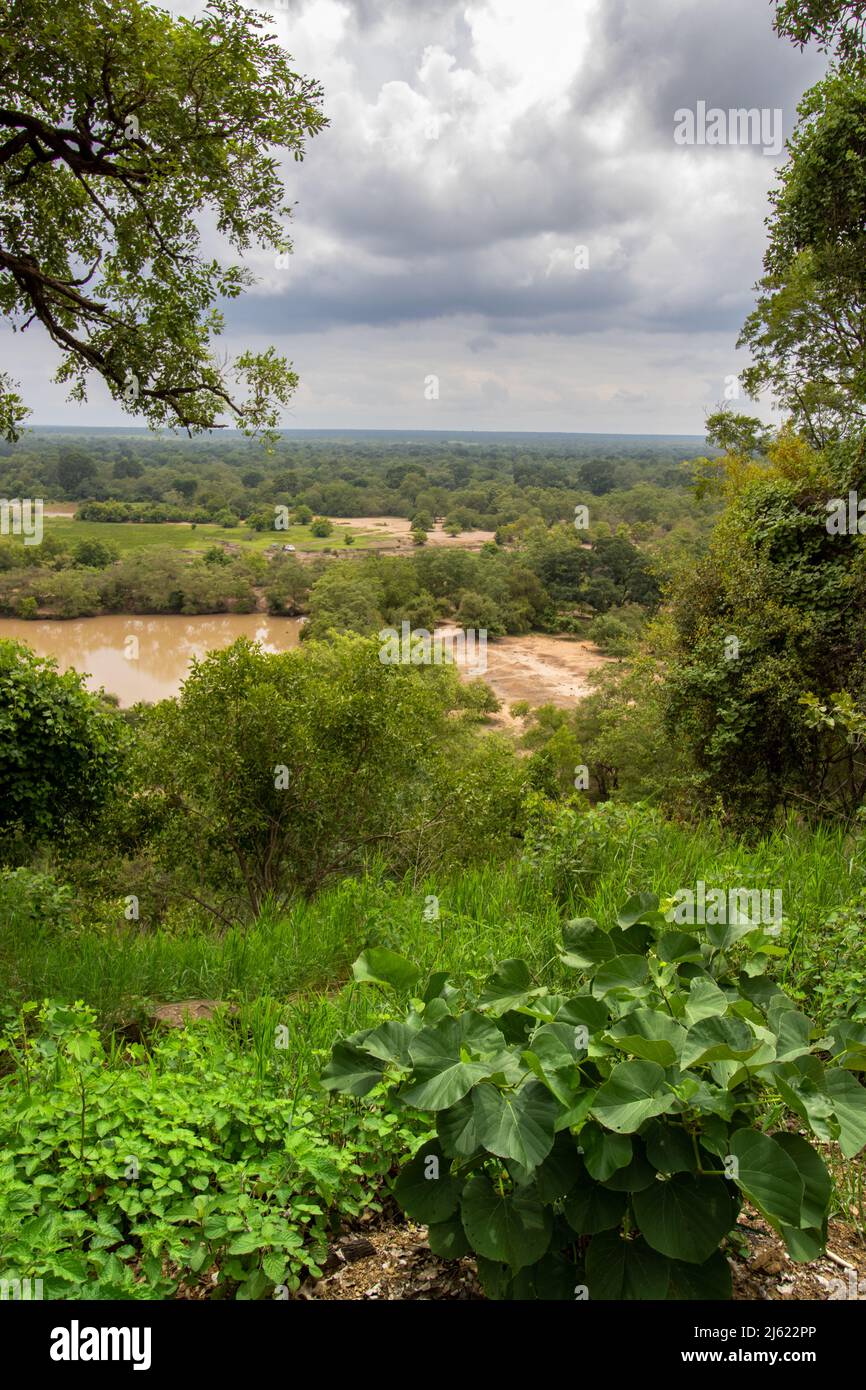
(145, 658)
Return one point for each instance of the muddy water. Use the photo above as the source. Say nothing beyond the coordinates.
(145, 658)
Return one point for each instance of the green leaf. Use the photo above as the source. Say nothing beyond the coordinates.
(390, 1042)
(352, 1070)
(619, 1269)
(768, 1176)
(447, 1239)
(848, 1098)
(441, 1076)
(586, 945)
(717, 1039)
(560, 1171)
(669, 1148)
(591, 1208)
(651, 1034)
(379, 966)
(456, 1129)
(637, 1173)
(632, 1093)
(513, 1228)
(677, 946)
(638, 907)
(817, 1183)
(623, 972)
(274, 1265)
(708, 1282)
(686, 1216)
(604, 1152)
(424, 1187)
(508, 988)
(705, 1000)
(516, 1124)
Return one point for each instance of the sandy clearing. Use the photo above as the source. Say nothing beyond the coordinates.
(396, 532)
(538, 668)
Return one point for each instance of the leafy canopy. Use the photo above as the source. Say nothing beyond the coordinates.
(124, 132)
(61, 748)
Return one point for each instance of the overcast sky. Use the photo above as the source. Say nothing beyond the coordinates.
(472, 148)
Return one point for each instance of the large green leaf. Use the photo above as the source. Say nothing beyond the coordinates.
(709, 1282)
(352, 1070)
(638, 909)
(513, 1228)
(379, 966)
(686, 1216)
(676, 946)
(604, 1152)
(591, 1208)
(424, 1187)
(447, 1239)
(560, 1171)
(651, 1034)
(705, 1000)
(507, 988)
(391, 1041)
(456, 1128)
(619, 1269)
(633, 1092)
(516, 1124)
(718, 1039)
(817, 1183)
(450, 1058)
(669, 1147)
(586, 945)
(623, 972)
(768, 1176)
(807, 1242)
(848, 1098)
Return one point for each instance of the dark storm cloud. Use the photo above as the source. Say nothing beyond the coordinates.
(421, 226)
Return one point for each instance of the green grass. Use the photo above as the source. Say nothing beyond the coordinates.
(133, 535)
(486, 914)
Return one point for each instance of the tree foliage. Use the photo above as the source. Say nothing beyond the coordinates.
(123, 128)
(61, 748)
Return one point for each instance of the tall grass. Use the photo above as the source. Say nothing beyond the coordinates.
(485, 914)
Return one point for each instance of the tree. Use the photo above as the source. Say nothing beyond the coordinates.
(123, 128)
(770, 637)
(321, 526)
(833, 24)
(807, 335)
(271, 774)
(61, 748)
(74, 469)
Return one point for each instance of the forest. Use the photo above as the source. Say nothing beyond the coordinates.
(332, 963)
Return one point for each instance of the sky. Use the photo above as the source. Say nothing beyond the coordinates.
(501, 228)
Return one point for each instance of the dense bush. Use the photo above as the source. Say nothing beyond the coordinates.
(196, 1163)
(599, 1141)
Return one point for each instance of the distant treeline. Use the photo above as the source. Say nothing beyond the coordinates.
(484, 486)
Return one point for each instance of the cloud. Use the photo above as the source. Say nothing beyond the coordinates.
(473, 149)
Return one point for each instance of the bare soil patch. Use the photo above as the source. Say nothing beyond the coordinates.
(396, 533)
(541, 669)
(385, 1259)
